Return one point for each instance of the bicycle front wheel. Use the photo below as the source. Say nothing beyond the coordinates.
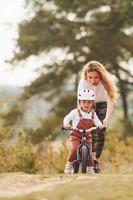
(84, 159)
(75, 167)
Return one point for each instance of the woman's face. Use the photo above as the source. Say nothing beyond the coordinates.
(93, 78)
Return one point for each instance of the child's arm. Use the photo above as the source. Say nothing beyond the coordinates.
(110, 106)
(67, 119)
(67, 126)
(97, 121)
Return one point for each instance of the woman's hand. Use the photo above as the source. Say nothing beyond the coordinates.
(105, 122)
(101, 126)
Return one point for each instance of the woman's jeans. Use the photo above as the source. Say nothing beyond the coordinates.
(98, 138)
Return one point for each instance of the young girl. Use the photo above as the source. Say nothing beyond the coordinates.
(96, 78)
(83, 117)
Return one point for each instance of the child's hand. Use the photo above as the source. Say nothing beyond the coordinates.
(101, 126)
(67, 126)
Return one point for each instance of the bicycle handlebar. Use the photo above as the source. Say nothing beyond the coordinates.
(81, 130)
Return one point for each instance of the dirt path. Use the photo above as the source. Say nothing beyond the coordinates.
(115, 186)
(17, 184)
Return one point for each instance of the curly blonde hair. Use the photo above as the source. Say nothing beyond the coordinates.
(108, 84)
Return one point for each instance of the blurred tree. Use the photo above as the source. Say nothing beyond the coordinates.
(4, 130)
(50, 127)
(84, 30)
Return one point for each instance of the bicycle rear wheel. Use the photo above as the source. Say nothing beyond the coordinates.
(84, 158)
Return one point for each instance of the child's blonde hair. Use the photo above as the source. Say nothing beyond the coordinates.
(108, 84)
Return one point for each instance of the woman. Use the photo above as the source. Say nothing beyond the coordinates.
(96, 78)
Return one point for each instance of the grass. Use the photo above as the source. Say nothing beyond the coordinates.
(85, 187)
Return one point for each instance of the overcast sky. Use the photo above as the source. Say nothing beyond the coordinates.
(11, 13)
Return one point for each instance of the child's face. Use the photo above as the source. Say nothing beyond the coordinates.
(86, 105)
(93, 77)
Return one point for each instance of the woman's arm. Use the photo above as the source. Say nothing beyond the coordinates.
(110, 106)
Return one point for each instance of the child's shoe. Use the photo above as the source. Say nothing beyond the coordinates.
(68, 168)
(96, 167)
(90, 170)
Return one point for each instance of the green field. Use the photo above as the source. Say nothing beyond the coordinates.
(83, 187)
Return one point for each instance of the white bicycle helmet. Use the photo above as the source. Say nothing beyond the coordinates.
(86, 94)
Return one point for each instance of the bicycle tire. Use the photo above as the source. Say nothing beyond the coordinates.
(84, 158)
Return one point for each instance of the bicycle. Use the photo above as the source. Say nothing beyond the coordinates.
(83, 150)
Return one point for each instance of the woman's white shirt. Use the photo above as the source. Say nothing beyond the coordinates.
(99, 90)
(73, 116)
